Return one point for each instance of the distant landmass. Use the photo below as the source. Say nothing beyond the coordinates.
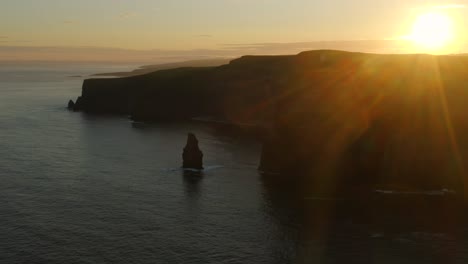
(333, 121)
(152, 68)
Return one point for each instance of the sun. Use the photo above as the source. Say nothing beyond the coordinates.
(432, 31)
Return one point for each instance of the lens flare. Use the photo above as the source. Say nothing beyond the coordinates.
(433, 31)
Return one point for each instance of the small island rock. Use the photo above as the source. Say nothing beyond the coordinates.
(192, 156)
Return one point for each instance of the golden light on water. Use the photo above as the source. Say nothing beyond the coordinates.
(433, 32)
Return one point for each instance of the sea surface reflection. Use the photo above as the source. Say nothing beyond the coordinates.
(100, 189)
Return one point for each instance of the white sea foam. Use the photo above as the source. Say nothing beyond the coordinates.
(207, 168)
(269, 172)
(432, 192)
(317, 198)
(377, 235)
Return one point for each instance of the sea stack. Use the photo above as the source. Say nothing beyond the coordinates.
(193, 157)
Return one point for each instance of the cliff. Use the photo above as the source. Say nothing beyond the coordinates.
(362, 120)
(239, 92)
(335, 118)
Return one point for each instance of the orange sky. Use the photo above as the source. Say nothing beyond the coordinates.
(149, 30)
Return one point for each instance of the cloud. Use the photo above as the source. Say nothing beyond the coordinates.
(12, 41)
(97, 54)
(203, 36)
(22, 41)
(375, 46)
(441, 7)
(127, 15)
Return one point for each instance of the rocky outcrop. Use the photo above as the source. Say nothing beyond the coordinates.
(71, 105)
(192, 155)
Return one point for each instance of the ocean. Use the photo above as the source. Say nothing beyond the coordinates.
(78, 188)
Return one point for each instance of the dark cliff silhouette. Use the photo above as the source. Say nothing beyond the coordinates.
(71, 105)
(339, 121)
(192, 155)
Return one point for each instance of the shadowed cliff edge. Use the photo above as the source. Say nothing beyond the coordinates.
(337, 122)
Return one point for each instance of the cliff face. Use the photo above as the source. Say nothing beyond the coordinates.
(105, 96)
(335, 118)
(374, 120)
(239, 92)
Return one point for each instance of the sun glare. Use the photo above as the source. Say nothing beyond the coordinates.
(432, 31)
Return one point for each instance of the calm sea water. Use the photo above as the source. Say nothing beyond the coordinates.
(98, 189)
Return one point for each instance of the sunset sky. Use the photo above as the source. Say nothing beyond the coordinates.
(217, 27)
